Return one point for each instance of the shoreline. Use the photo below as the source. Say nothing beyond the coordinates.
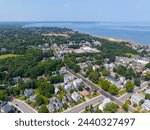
(130, 42)
(135, 44)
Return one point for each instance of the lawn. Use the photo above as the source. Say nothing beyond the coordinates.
(121, 92)
(7, 56)
(90, 96)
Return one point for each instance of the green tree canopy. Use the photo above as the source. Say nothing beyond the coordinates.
(39, 100)
(43, 109)
(94, 76)
(3, 95)
(129, 86)
(111, 108)
(46, 89)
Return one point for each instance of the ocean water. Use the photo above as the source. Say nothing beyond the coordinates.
(138, 32)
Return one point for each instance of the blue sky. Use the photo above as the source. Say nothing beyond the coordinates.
(74, 10)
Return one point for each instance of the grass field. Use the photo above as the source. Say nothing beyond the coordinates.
(7, 56)
(131, 55)
(54, 34)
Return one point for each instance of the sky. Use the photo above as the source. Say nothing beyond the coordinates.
(74, 10)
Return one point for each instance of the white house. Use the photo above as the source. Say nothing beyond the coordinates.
(68, 78)
(68, 87)
(77, 83)
(56, 90)
(136, 99)
(95, 67)
(75, 96)
(105, 102)
(122, 79)
(146, 105)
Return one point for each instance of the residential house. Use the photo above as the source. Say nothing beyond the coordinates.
(56, 90)
(68, 87)
(50, 107)
(75, 96)
(63, 71)
(32, 98)
(84, 93)
(115, 81)
(96, 43)
(56, 103)
(68, 78)
(6, 108)
(25, 80)
(83, 71)
(2, 104)
(77, 83)
(28, 92)
(147, 91)
(105, 102)
(3, 49)
(136, 99)
(110, 66)
(95, 67)
(16, 79)
(122, 79)
(146, 105)
(46, 45)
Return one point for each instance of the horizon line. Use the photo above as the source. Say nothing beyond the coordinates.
(60, 21)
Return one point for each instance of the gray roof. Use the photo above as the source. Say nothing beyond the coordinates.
(62, 72)
(56, 103)
(32, 98)
(136, 98)
(77, 82)
(68, 78)
(146, 105)
(16, 79)
(68, 86)
(75, 96)
(50, 107)
(2, 104)
(6, 108)
(28, 92)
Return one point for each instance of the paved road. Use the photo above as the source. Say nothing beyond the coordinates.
(25, 108)
(81, 107)
(137, 89)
